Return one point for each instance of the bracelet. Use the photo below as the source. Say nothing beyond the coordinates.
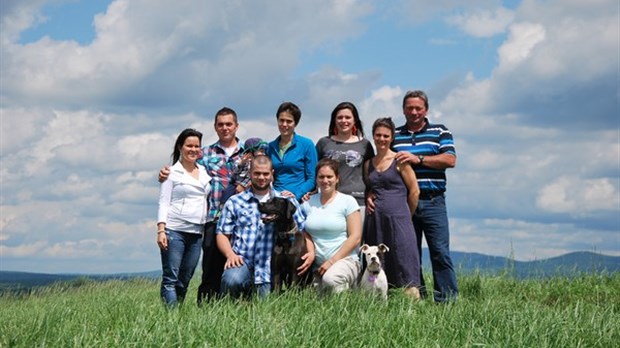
(161, 231)
(330, 262)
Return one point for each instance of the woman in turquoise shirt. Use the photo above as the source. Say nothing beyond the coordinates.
(294, 157)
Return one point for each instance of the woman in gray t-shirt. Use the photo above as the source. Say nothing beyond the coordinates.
(346, 145)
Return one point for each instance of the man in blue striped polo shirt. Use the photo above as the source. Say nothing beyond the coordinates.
(429, 148)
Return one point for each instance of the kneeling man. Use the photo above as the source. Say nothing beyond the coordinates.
(245, 240)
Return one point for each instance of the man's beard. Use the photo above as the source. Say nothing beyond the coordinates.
(258, 187)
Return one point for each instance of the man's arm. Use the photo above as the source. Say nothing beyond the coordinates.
(441, 161)
(224, 232)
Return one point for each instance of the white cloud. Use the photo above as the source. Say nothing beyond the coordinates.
(421, 11)
(22, 250)
(202, 43)
(483, 23)
(18, 15)
(523, 38)
(85, 128)
(385, 101)
(580, 197)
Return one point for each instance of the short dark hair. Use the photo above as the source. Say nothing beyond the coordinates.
(356, 118)
(384, 122)
(225, 111)
(261, 159)
(290, 108)
(186, 133)
(416, 94)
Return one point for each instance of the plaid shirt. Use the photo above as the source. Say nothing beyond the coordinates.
(220, 169)
(251, 239)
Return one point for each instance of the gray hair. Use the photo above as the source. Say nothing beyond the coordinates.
(416, 94)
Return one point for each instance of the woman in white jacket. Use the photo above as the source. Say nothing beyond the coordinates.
(181, 217)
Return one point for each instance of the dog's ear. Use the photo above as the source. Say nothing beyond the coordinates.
(290, 210)
(383, 248)
(364, 247)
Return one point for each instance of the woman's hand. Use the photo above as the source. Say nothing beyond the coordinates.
(325, 266)
(305, 267)
(288, 194)
(162, 241)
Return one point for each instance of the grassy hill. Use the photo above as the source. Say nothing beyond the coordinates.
(492, 311)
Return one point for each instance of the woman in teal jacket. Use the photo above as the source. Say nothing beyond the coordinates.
(294, 157)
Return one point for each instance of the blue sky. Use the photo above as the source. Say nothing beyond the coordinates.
(93, 93)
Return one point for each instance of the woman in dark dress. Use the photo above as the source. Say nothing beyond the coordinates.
(395, 190)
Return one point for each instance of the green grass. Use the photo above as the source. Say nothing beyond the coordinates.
(493, 311)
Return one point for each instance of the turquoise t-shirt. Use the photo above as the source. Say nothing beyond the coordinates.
(327, 224)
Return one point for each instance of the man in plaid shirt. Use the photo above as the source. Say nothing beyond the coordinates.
(219, 159)
(245, 240)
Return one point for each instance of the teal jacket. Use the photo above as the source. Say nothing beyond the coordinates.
(295, 171)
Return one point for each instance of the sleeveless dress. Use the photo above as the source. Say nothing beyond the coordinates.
(391, 225)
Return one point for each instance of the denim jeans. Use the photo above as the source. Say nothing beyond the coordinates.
(178, 265)
(431, 220)
(239, 281)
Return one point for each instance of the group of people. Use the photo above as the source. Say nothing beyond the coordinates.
(344, 193)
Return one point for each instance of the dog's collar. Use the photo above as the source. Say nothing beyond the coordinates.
(290, 233)
(372, 275)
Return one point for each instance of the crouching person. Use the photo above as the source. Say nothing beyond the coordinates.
(335, 224)
(245, 240)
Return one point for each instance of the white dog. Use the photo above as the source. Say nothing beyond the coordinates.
(374, 279)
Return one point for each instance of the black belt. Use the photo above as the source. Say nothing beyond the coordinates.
(429, 195)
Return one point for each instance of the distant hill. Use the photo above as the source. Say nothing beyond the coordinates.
(25, 281)
(566, 265)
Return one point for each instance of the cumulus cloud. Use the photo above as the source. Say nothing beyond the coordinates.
(421, 11)
(523, 38)
(483, 23)
(86, 127)
(576, 196)
(198, 43)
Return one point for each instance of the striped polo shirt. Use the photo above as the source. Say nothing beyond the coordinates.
(433, 139)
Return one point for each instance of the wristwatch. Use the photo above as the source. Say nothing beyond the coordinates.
(421, 158)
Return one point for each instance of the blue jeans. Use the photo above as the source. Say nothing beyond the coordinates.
(431, 220)
(239, 281)
(178, 265)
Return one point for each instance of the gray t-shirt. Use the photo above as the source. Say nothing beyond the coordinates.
(351, 157)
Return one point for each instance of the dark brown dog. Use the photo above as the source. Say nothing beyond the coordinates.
(289, 244)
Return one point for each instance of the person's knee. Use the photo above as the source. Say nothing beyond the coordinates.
(235, 281)
(334, 283)
(232, 279)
